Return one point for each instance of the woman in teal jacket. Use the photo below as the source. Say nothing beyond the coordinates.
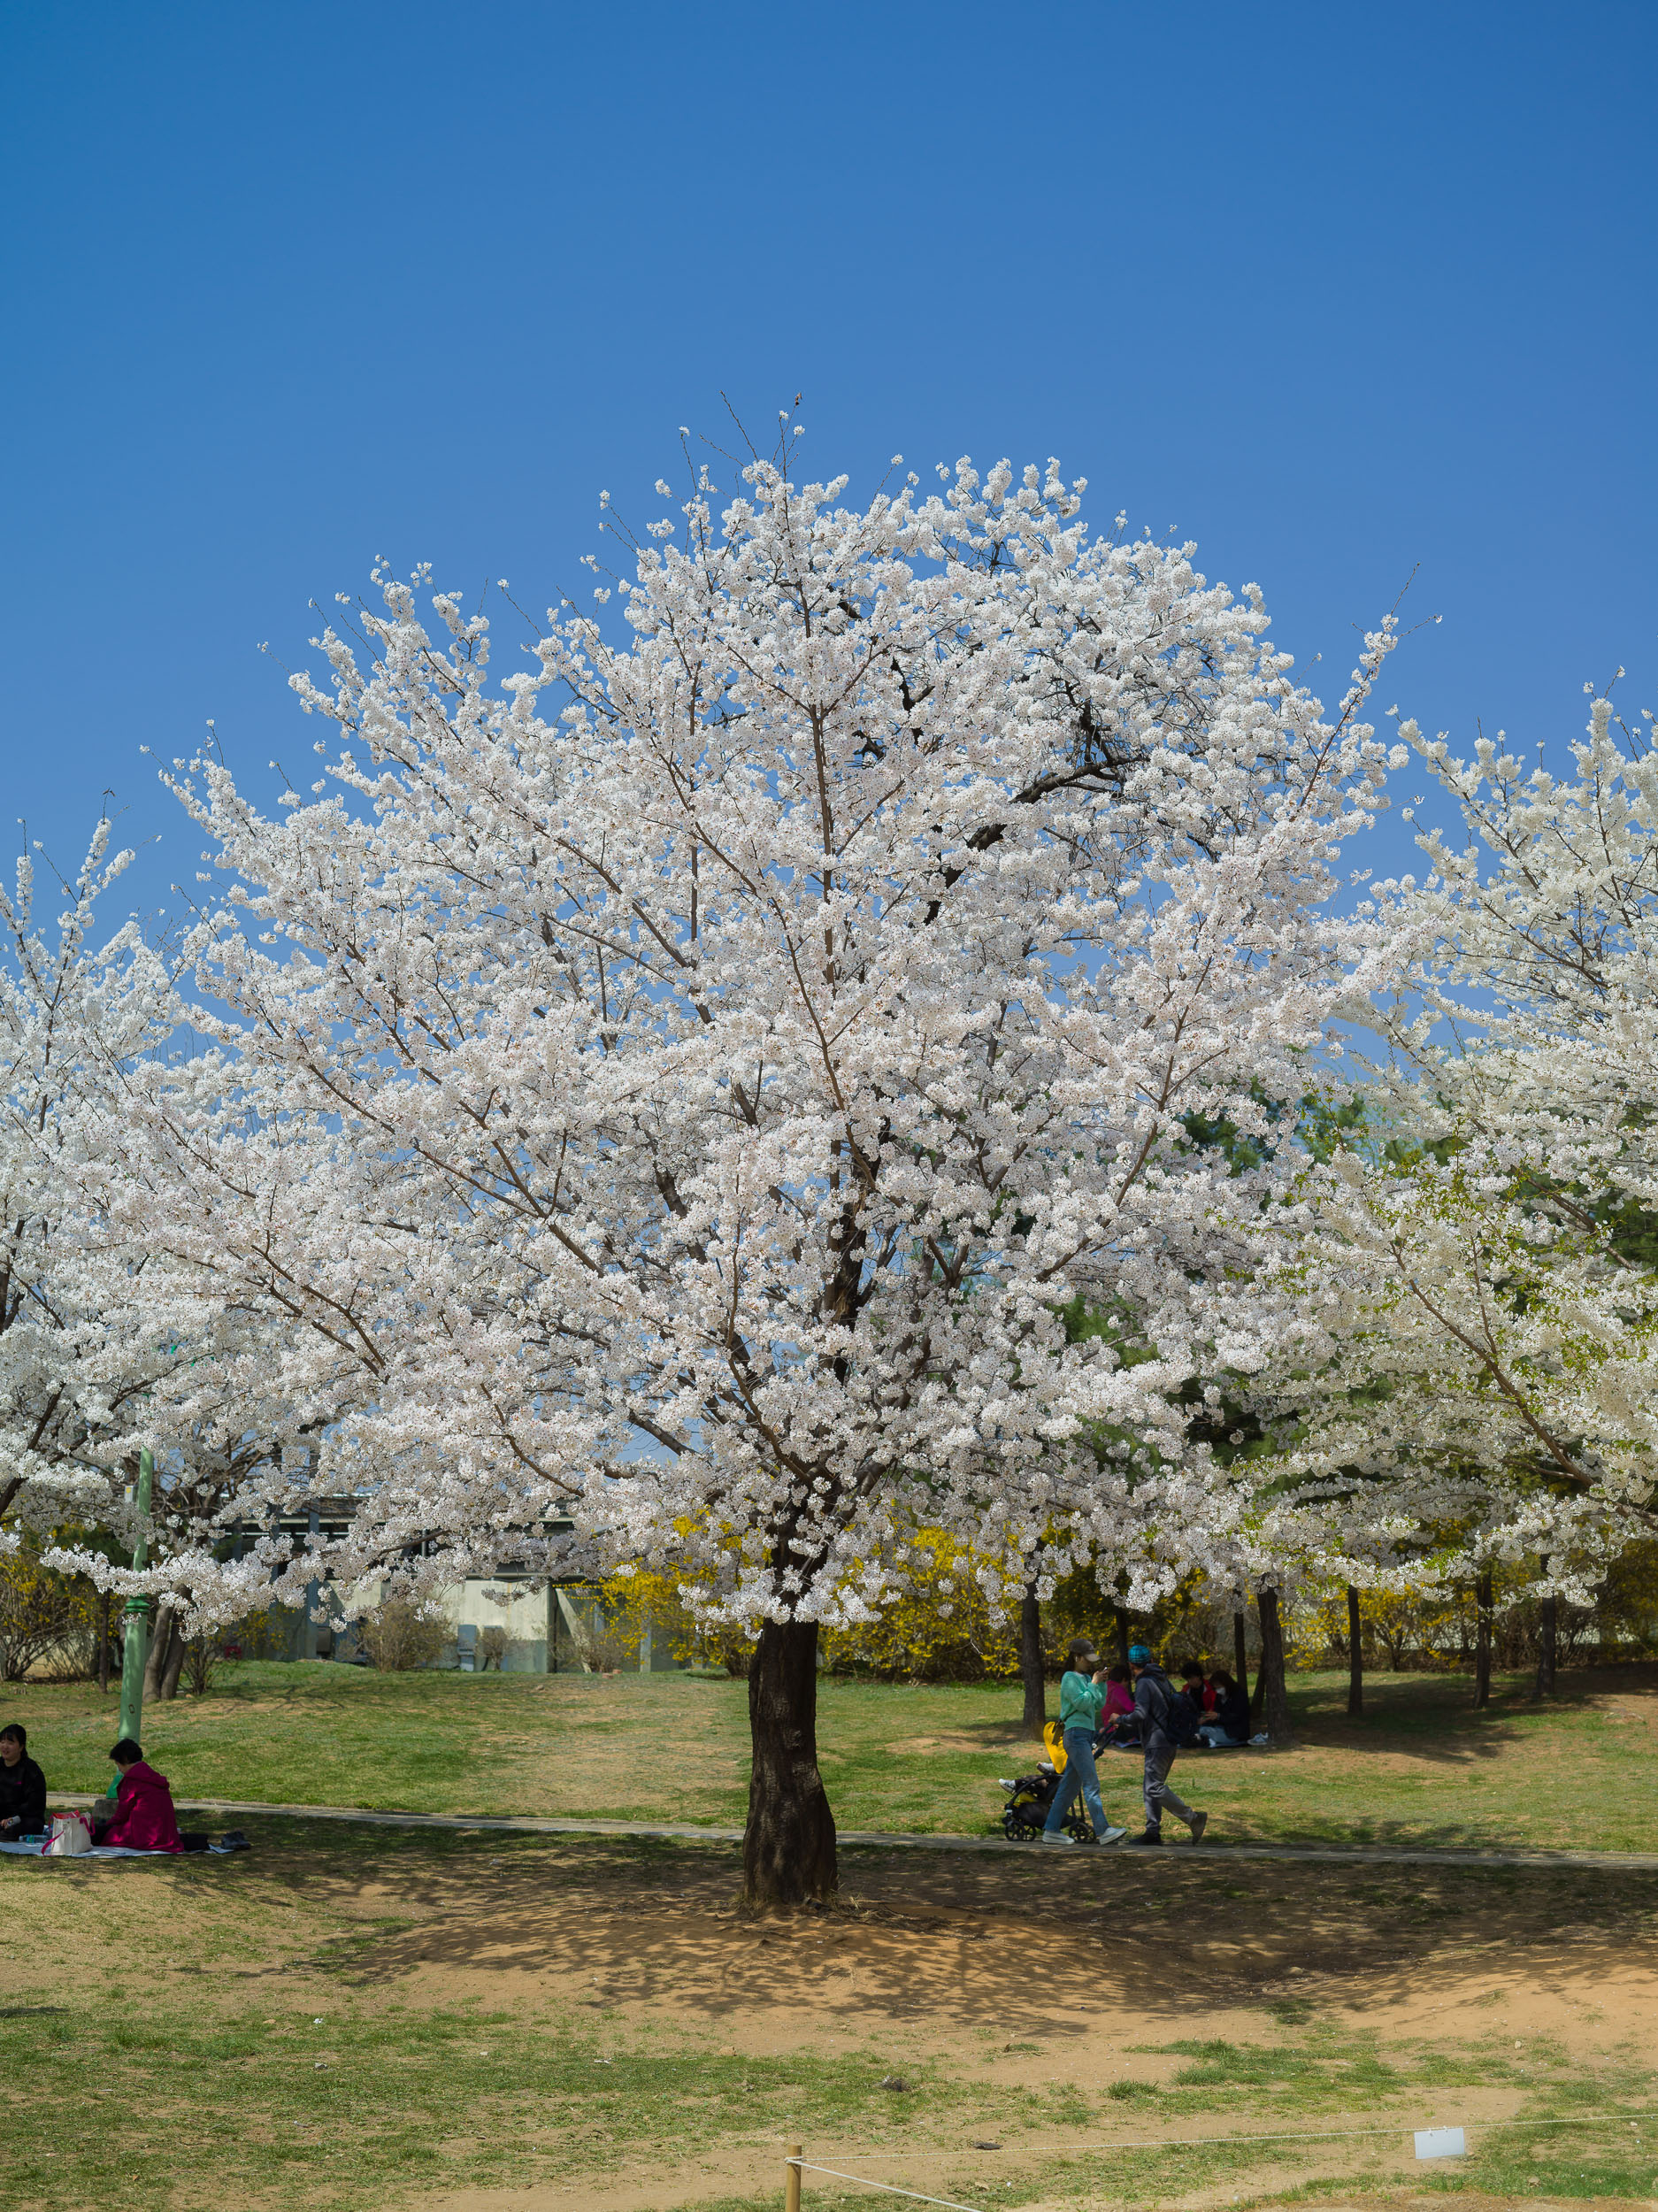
(1082, 1689)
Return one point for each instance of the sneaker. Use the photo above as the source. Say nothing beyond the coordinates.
(1050, 1835)
(1199, 1821)
(1111, 1835)
(1152, 1835)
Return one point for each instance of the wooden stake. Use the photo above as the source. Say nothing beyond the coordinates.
(791, 2186)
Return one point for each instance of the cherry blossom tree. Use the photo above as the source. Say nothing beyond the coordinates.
(128, 1319)
(1470, 1317)
(745, 1037)
(80, 1343)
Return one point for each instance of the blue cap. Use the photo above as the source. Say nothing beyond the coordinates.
(1139, 1656)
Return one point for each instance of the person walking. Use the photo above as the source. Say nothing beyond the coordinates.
(1157, 1702)
(1082, 1690)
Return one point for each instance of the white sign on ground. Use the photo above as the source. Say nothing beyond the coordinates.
(1440, 2143)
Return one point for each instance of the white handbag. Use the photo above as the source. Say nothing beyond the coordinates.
(68, 1836)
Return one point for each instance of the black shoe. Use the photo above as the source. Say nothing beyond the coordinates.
(1199, 1821)
(1152, 1835)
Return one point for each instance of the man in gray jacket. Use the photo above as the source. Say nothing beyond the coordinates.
(1158, 1704)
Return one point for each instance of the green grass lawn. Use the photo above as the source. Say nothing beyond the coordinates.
(1421, 1767)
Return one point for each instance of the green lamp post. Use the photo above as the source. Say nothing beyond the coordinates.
(135, 1618)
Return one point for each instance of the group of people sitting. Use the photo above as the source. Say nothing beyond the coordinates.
(1098, 1708)
(136, 1815)
(1212, 1710)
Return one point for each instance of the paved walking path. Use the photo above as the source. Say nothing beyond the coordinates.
(1355, 1854)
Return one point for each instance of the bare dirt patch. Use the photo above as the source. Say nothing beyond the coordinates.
(1070, 1980)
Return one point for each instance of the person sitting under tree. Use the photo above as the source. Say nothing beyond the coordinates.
(143, 1818)
(22, 1786)
(1196, 1689)
(1227, 1727)
(1082, 1690)
(1119, 1694)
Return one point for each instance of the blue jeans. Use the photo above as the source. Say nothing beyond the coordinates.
(1079, 1776)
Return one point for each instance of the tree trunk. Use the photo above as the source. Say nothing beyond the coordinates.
(175, 1665)
(1482, 1638)
(1355, 1658)
(1272, 1701)
(1031, 1672)
(1240, 1653)
(1547, 1644)
(1121, 1618)
(788, 1846)
(161, 1641)
(103, 1643)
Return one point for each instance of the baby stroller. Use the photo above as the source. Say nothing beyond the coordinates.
(1030, 1796)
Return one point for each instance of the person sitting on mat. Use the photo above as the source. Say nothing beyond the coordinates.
(22, 1786)
(1228, 1725)
(1196, 1690)
(1119, 1695)
(143, 1818)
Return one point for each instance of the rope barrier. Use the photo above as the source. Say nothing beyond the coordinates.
(1331, 2135)
(1180, 2142)
(1288, 2135)
(886, 2187)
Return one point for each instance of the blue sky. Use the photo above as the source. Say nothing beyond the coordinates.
(1339, 292)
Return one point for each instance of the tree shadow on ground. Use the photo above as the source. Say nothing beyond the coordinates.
(1032, 1947)
(1433, 1717)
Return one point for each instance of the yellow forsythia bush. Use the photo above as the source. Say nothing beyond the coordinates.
(940, 1630)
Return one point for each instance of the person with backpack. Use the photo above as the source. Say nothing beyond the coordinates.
(1082, 1689)
(1166, 1722)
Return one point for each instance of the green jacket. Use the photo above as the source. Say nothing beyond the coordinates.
(1079, 1701)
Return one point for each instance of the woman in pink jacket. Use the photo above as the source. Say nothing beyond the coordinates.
(144, 1818)
(1119, 1699)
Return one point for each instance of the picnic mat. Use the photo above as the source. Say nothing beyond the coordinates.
(111, 1851)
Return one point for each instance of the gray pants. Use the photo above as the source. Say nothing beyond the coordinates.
(1159, 1759)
